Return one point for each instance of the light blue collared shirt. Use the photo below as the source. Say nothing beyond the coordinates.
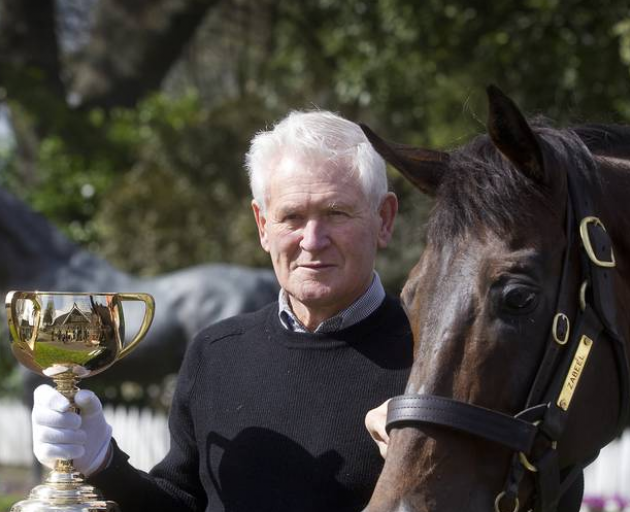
(359, 310)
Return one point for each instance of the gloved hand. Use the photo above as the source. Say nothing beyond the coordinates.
(60, 434)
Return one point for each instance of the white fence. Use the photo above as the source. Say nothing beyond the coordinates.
(143, 435)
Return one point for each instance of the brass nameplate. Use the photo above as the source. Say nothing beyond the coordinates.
(575, 372)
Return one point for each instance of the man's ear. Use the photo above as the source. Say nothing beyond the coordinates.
(261, 222)
(387, 213)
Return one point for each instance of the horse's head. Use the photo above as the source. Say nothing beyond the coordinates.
(483, 303)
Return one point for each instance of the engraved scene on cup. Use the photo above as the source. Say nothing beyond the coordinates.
(61, 333)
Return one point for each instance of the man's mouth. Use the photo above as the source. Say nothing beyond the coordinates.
(315, 266)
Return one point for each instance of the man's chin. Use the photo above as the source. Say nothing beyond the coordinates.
(316, 299)
(319, 295)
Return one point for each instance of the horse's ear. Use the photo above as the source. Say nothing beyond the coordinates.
(511, 133)
(422, 167)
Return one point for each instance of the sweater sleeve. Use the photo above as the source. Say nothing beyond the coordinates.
(173, 485)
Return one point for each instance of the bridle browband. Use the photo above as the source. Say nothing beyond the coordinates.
(575, 331)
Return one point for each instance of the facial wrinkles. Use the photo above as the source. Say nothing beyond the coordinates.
(322, 235)
(316, 201)
(310, 210)
(294, 176)
(317, 227)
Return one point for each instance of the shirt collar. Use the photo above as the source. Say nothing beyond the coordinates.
(359, 310)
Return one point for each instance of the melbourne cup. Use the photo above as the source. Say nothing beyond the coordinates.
(67, 337)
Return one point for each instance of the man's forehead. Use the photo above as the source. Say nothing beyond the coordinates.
(315, 197)
(296, 165)
(322, 203)
(295, 175)
(296, 182)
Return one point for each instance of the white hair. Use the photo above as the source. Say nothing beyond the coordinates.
(317, 136)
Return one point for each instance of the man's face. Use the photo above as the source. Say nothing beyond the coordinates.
(322, 234)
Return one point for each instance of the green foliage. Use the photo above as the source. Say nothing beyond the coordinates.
(161, 186)
(70, 187)
(70, 170)
(164, 189)
(185, 199)
(416, 72)
(10, 381)
(419, 66)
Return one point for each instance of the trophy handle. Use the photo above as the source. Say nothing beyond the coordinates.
(10, 301)
(149, 312)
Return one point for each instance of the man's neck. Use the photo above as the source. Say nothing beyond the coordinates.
(311, 318)
(299, 316)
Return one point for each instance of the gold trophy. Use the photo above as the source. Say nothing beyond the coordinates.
(68, 337)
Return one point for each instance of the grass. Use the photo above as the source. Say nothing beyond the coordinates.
(8, 500)
(15, 484)
(47, 355)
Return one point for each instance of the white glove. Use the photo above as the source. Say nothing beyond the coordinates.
(60, 434)
(375, 421)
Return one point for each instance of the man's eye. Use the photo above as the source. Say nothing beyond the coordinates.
(337, 213)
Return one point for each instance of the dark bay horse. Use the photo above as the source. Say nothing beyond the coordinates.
(519, 308)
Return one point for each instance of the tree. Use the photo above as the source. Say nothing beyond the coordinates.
(131, 48)
(133, 120)
(49, 312)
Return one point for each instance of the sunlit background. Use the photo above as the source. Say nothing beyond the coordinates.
(124, 123)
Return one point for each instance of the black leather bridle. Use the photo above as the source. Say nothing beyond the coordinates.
(575, 330)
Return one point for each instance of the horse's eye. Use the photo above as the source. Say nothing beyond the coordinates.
(519, 299)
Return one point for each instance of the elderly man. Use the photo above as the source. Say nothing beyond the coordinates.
(269, 407)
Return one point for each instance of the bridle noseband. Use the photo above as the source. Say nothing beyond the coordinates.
(566, 353)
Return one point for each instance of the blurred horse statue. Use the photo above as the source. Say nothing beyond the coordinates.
(519, 308)
(36, 256)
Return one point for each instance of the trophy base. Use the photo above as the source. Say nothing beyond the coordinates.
(65, 492)
(31, 505)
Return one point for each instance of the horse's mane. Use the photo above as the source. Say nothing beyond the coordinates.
(606, 139)
(483, 190)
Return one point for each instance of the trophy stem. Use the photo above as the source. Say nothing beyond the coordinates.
(65, 489)
(66, 384)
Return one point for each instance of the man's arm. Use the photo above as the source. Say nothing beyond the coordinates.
(172, 486)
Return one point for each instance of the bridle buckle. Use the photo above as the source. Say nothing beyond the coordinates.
(497, 502)
(561, 328)
(588, 246)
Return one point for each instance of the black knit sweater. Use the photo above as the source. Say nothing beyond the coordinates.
(266, 420)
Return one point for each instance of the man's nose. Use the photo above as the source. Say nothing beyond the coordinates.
(315, 236)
